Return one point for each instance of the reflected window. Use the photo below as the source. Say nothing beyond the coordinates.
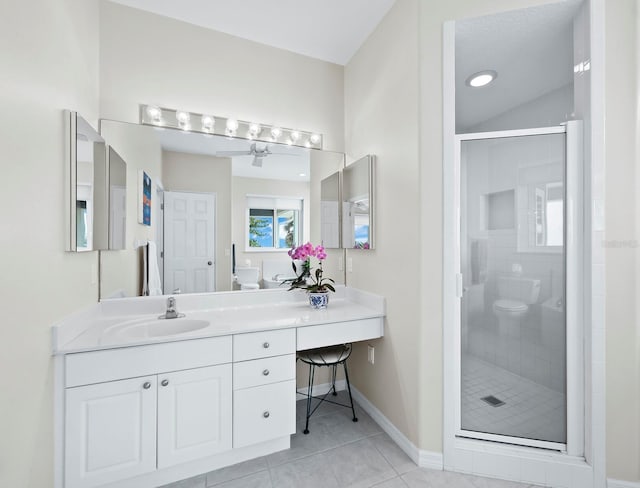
(274, 223)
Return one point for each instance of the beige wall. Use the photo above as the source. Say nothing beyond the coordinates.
(206, 174)
(141, 150)
(381, 118)
(49, 63)
(147, 58)
(623, 374)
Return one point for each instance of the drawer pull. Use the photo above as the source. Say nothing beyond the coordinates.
(266, 414)
(164, 382)
(146, 385)
(266, 372)
(265, 345)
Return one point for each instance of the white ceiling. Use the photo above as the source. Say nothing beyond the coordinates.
(330, 30)
(531, 50)
(286, 162)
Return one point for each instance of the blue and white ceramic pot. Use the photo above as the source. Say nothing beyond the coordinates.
(319, 300)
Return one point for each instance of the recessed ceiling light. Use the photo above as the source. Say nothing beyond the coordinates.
(481, 78)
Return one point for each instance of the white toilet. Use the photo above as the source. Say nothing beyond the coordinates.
(247, 277)
(514, 297)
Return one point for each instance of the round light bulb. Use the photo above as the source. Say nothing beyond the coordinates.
(255, 129)
(315, 138)
(295, 135)
(208, 122)
(154, 112)
(307, 144)
(183, 117)
(276, 132)
(232, 125)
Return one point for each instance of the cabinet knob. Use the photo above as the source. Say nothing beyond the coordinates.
(210, 263)
(266, 372)
(265, 345)
(146, 385)
(164, 382)
(266, 414)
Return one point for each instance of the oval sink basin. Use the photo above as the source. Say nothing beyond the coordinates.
(161, 328)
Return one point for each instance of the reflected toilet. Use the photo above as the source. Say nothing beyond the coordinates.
(514, 297)
(247, 277)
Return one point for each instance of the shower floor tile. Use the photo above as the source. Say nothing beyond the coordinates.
(531, 410)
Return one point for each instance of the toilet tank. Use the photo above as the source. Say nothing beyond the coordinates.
(247, 275)
(524, 290)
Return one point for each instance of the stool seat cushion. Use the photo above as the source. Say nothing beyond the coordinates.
(325, 356)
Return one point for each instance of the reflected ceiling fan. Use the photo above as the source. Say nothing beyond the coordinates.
(258, 153)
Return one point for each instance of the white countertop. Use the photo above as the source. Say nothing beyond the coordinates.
(227, 313)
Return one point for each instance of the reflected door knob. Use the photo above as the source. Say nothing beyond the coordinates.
(146, 385)
(164, 382)
(210, 263)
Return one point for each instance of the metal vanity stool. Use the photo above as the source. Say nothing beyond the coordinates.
(330, 357)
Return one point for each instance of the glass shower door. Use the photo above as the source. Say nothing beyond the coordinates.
(513, 332)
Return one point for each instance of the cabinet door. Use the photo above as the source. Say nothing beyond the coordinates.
(194, 414)
(110, 431)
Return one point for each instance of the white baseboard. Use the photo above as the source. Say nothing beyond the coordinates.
(424, 459)
(323, 388)
(622, 484)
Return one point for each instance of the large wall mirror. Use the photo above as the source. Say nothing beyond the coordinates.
(357, 204)
(218, 206)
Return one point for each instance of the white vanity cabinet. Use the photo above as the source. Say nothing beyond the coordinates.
(119, 429)
(264, 384)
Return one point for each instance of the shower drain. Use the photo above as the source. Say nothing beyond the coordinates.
(493, 401)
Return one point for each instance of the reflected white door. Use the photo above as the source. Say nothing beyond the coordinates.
(189, 242)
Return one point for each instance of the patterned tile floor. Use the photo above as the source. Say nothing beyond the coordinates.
(530, 410)
(337, 453)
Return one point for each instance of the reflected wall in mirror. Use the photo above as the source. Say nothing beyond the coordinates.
(357, 204)
(87, 214)
(330, 211)
(217, 197)
(117, 200)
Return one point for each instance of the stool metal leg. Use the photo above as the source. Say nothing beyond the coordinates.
(312, 369)
(333, 379)
(346, 375)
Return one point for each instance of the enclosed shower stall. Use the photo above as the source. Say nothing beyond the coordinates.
(516, 219)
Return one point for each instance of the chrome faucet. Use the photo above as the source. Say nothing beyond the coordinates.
(171, 312)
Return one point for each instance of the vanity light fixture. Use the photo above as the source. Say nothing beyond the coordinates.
(227, 126)
(481, 78)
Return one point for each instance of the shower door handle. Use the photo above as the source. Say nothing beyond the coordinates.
(459, 288)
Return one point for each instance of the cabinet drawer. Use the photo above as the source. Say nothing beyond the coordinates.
(264, 344)
(263, 413)
(113, 364)
(264, 371)
(339, 333)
